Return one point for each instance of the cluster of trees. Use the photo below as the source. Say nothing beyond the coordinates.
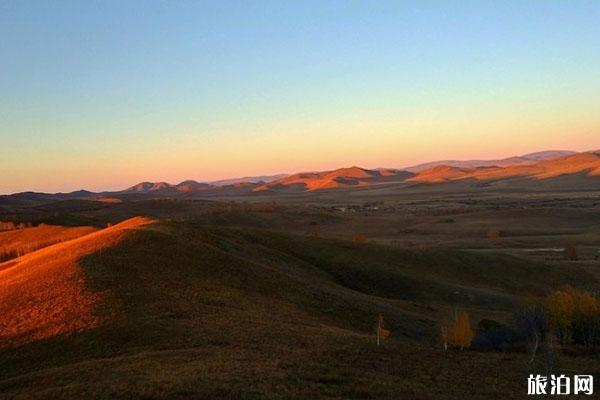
(568, 318)
(565, 319)
(6, 255)
(458, 332)
(14, 252)
(11, 226)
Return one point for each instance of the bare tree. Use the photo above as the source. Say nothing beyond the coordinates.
(531, 323)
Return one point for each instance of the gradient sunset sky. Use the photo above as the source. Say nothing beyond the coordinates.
(104, 94)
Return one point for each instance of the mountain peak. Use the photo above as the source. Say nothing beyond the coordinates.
(145, 187)
(352, 172)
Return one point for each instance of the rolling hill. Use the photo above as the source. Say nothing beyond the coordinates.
(167, 310)
(585, 164)
(43, 293)
(248, 179)
(544, 166)
(340, 178)
(526, 159)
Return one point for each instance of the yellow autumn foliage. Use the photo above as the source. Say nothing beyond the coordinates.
(460, 334)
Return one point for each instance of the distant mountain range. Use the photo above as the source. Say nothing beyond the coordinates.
(586, 164)
(527, 159)
(249, 179)
(193, 186)
(551, 169)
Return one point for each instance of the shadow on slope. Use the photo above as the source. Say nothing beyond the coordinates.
(204, 312)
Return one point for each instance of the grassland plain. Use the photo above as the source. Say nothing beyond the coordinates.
(211, 308)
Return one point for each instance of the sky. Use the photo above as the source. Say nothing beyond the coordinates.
(103, 94)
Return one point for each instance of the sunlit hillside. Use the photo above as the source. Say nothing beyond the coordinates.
(18, 242)
(45, 292)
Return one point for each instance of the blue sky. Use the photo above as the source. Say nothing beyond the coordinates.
(103, 94)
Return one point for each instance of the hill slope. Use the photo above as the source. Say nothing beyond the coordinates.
(18, 242)
(526, 159)
(582, 164)
(339, 178)
(44, 294)
(176, 311)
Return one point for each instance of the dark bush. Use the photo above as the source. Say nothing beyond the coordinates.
(493, 336)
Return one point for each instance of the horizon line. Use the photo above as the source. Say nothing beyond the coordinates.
(297, 172)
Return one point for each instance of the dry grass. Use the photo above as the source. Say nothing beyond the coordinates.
(19, 242)
(587, 163)
(207, 310)
(43, 293)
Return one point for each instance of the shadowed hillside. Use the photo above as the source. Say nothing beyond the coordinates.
(182, 310)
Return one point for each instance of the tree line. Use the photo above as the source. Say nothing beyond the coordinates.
(11, 226)
(567, 319)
